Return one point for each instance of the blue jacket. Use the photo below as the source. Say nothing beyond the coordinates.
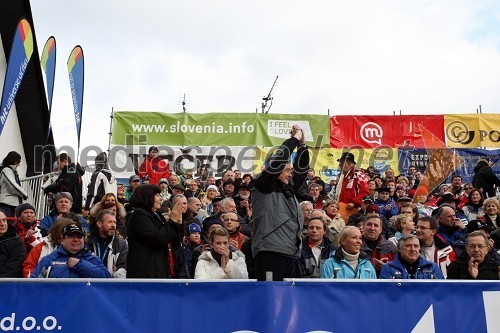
(55, 265)
(425, 270)
(47, 222)
(336, 267)
(452, 235)
(383, 211)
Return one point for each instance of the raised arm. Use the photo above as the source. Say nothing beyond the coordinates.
(275, 163)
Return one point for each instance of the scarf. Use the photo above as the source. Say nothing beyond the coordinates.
(352, 259)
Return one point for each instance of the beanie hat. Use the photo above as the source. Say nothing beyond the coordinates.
(193, 227)
(22, 207)
(211, 220)
(212, 187)
(421, 190)
(101, 158)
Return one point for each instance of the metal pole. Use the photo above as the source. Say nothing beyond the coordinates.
(110, 128)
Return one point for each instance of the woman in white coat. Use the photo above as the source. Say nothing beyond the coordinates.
(219, 262)
(11, 192)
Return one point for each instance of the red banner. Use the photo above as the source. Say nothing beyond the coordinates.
(376, 131)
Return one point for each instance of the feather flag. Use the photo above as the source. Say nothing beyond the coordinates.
(48, 62)
(20, 55)
(75, 70)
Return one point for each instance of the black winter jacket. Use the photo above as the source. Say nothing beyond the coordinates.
(70, 180)
(12, 254)
(149, 236)
(485, 178)
(459, 269)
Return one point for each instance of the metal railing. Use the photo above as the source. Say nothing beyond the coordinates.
(36, 197)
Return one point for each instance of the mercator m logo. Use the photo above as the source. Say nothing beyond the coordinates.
(371, 132)
(458, 132)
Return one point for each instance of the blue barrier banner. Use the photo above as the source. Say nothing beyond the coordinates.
(419, 157)
(471, 156)
(300, 306)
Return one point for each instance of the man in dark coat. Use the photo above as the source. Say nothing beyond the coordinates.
(277, 217)
(475, 263)
(69, 180)
(484, 178)
(12, 250)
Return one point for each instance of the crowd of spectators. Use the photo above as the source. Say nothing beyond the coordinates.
(284, 222)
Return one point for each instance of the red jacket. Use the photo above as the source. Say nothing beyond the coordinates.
(354, 187)
(155, 168)
(239, 237)
(35, 239)
(33, 258)
(443, 253)
(318, 204)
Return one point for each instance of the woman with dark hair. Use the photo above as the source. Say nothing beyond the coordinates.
(11, 192)
(247, 178)
(372, 186)
(474, 208)
(151, 238)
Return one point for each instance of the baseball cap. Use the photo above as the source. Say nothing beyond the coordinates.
(368, 198)
(134, 178)
(73, 229)
(475, 225)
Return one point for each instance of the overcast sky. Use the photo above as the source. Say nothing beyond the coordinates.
(352, 57)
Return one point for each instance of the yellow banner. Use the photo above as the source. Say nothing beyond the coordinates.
(324, 160)
(472, 130)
